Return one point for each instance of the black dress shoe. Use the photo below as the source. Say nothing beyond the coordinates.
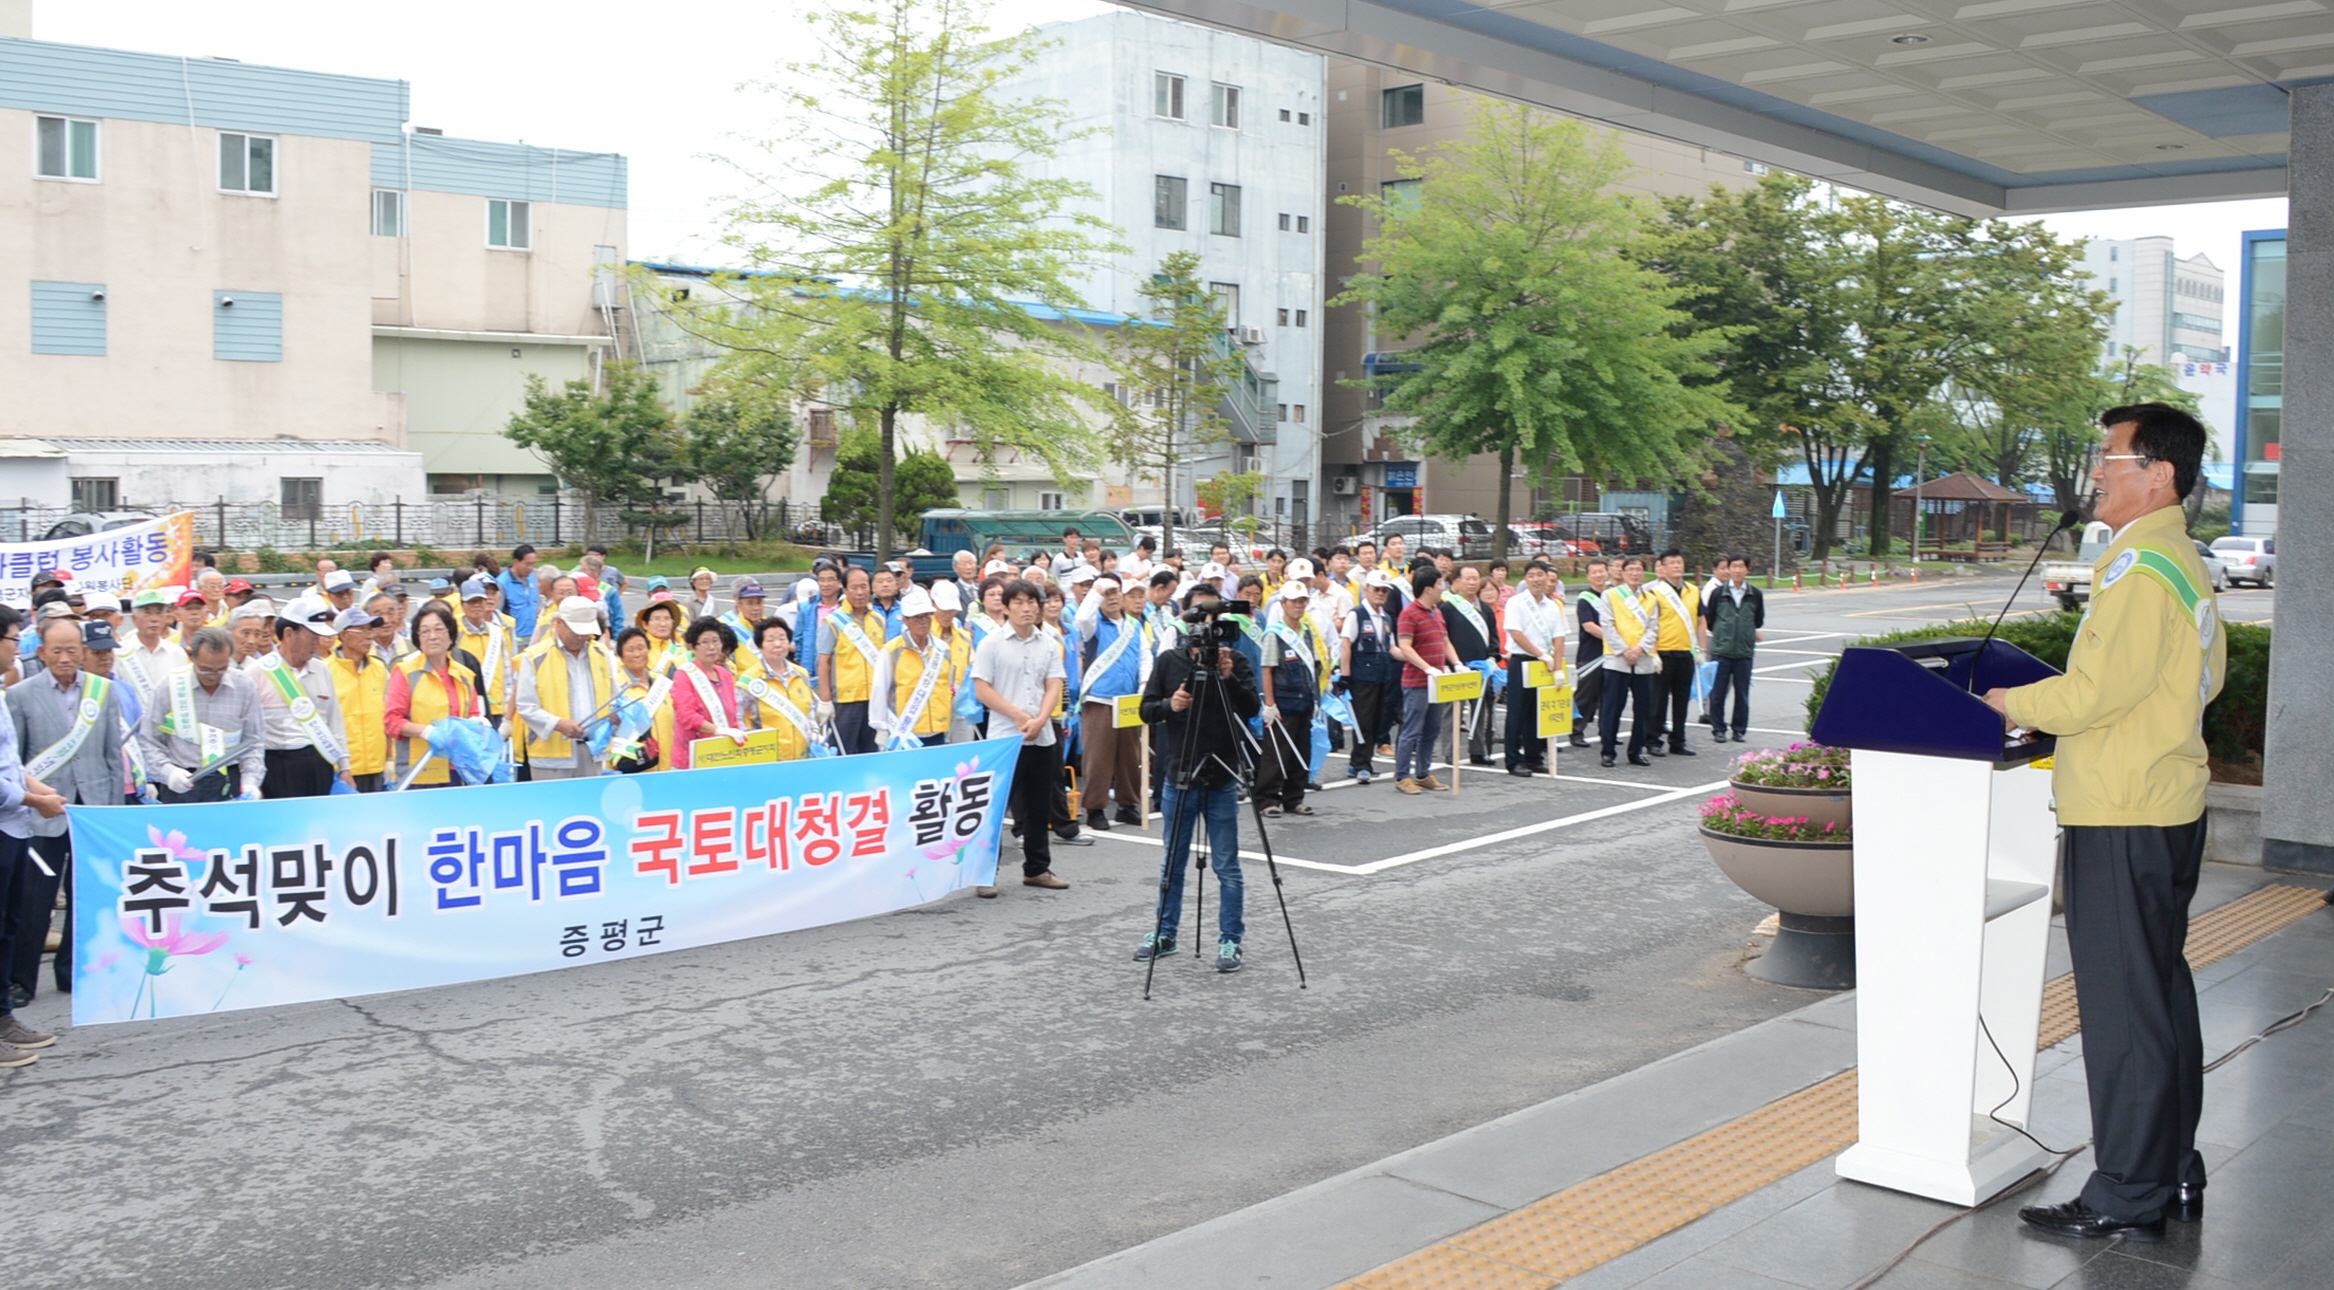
(1520, 772)
(2075, 1218)
(1605, 759)
(2187, 1203)
(1636, 760)
(18, 996)
(1658, 751)
(1097, 820)
(1128, 815)
(1579, 742)
(1479, 761)
(1682, 751)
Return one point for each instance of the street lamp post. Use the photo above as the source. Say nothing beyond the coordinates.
(1920, 472)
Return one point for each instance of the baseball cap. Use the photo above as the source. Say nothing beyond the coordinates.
(944, 596)
(261, 607)
(1378, 578)
(100, 601)
(701, 569)
(339, 580)
(310, 612)
(441, 584)
(1300, 568)
(150, 596)
(1211, 570)
(238, 586)
(917, 601)
(749, 590)
(806, 589)
(1294, 590)
(47, 576)
(587, 586)
(1078, 574)
(96, 634)
(189, 597)
(581, 616)
(355, 616)
(57, 609)
(474, 589)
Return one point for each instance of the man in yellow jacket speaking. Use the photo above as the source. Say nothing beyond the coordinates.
(2129, 779)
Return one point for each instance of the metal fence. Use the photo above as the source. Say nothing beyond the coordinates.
(485, 521)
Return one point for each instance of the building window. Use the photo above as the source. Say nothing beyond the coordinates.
(2114, 253)
(67, 147)
(247, 163)
(1284, 114)
(1300, 318)
(1049, 501)
(822, 426)
(1284, 411)
(508, 224)
(97, 494)
(1754, 167)
(1403, 105)
(388, 213)
(1299, 410)
(1170, 195)
(1227, 296)
(1284, 221)
(1225, 110)
(247, 326)
(1167, 96)
(303, 499)
(1304, 118)
(996, 499)
(1281, 317)
(1224, 209)
(1304, 223)
(68, 318)
(1401, 195)
(2111, 284)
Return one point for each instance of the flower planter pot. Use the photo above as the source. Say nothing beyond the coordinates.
(1821, 806)
(1813, 889)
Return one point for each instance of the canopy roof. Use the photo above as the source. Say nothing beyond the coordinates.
(1961, 486)
(1980, 107)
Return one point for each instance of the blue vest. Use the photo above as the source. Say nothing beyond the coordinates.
(1125, 675)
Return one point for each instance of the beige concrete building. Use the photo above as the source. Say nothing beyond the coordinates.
(214, 252)
(1368, 475)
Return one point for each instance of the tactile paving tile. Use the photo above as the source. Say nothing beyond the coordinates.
(1544, 1242)
(2212, 936)
(1628, 1208)
(1690, 1173)
(1447, 1267)
(1764, 1145)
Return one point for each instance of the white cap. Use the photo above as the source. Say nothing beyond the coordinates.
(1079, 573)
(101, 601)
(1299, 568)
(999, 566)
(1212, 570)
(1294, 590)
(915, 601)
(581, 616)
(806, 589)
(944, 596)
(312, 613)
(339, 580)
(1378, 578)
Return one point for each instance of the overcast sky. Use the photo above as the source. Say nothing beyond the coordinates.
(660, 85)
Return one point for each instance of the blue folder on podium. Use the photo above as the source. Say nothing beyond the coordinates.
(1921, 698)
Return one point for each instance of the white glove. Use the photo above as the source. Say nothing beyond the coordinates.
(176, 779)
(1271, 715)
(823, 710)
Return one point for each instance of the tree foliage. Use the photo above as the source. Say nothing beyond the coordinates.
(893, 233)
(1175, 366)
(1227, 493)
(733, 444)
(618, 446)
(922, 481)
(1534, 336)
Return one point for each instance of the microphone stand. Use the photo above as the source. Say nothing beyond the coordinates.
(2070, 518)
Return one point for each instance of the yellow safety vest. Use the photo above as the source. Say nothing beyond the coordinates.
(907, 672)
(853, 678)
(551, 692)
(364, 708)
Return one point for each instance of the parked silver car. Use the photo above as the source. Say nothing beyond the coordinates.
(1464, 536)
(2248, 559)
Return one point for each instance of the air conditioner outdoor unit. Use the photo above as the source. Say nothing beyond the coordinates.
(1251, 335)
(1345, 485)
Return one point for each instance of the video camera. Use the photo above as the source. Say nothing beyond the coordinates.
(1204, 625)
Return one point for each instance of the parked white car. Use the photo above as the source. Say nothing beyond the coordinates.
(2214, 567)
(2248, 559)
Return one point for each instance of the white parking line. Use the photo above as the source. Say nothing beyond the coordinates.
(1616, 783)
(1785, 667)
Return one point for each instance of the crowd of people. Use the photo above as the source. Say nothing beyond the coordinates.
(520, 670)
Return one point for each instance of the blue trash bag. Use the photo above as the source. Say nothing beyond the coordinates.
(1705, 676)
(968, 705)
(340, 787)
(1320, 742)
(1337, 708)
(477, 754)
(1494, 676)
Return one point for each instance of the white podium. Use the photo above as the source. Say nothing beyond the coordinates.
(1956, 848)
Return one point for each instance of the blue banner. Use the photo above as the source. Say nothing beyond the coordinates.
(228, 905)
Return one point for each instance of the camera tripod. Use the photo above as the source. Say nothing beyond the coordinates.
(1208, 700)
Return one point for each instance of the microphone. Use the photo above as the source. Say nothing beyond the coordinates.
(2072, 517)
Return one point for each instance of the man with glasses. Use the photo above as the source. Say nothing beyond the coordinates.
(202, 732)
(2129, 782)
(69, 720)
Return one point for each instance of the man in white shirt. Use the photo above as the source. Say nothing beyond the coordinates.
(1018, 674)
(299, 705)
(1535, 633)
(563, 683)
(152, 656)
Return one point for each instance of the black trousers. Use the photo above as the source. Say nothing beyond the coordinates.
(1733, 674)
(1285, 763)
(1622, 689)
(296, 772)
(15, 867)
(1037, 787)
(2128, 889)
(1525, 747)
(1675, 693)
(1588, 689)
(36, 902)
(221, 785)
(1370, 705)
(854, 735)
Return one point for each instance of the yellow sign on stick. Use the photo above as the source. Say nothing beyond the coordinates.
(720, 750)
(1451, 687)
(1126, 711)
(1555, 711)
(1537, 674)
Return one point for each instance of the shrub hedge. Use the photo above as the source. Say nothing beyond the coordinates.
(2233, 725)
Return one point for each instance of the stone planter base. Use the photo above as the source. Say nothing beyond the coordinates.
(1820, 806)
(1809, 954)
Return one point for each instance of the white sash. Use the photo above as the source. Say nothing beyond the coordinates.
(1296, 640)
(1626, 600)
(1128, 629)
(303, 707)
(180, 720)
(774, 696)
(1669, 596)
(93, 688)
(904, 724)
(1474, 619)
(850, 630)
(139, 676)
(711, 698)
(493, 658)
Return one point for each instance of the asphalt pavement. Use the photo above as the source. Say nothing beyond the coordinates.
(968, 1094)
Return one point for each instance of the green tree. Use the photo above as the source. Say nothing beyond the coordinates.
(732, 444)
(2073, 432)
(1228, 493)
(617, 446)
(922, 481)
(2038, 329)
(895, 235)
(1536, 338)
(1176, 365)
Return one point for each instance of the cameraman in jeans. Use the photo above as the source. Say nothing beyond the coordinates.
(1200, 759)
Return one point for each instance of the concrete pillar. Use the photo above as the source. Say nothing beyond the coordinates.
(2297, 813)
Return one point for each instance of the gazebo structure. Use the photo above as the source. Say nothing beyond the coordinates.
(1960, 507)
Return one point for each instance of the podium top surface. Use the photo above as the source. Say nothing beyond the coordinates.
(1921, 698)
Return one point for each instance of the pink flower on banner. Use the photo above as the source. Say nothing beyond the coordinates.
(172, 943)
(175, 843)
